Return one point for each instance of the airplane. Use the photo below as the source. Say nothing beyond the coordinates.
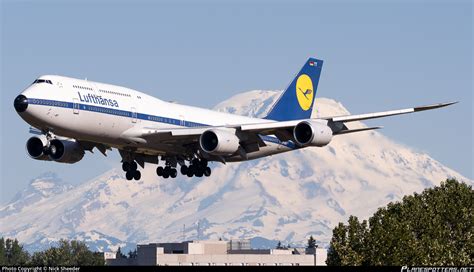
(70, 116)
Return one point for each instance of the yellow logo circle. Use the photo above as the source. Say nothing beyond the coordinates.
(304, 91)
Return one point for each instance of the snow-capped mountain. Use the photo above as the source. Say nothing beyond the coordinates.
(285, 197)
(40, 188)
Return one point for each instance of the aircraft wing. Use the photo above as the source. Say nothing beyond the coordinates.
(179, 138)
(359, 117)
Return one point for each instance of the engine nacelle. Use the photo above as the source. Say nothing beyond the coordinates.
(312, 133)
(65, 151)
(35, 147)
(219, 142)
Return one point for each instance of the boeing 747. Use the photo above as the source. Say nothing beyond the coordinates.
(70, 116)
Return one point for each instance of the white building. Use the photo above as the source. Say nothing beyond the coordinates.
(217, 253)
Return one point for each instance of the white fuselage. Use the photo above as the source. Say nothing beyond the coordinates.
(103, 113)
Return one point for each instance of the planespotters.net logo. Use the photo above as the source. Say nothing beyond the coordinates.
(436, 269)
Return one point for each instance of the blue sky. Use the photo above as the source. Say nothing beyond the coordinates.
(378, 56)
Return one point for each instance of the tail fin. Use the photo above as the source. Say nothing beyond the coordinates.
(296, 102)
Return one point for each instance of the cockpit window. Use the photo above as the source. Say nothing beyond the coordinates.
(43, 81)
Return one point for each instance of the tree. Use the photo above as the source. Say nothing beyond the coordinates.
(347, 243)
(311, 242)
(132, 254)
(68, 253)
(18, 255)
(119, 254)
(12, 253)
(3, 259)
(433, 228)
(279, 246)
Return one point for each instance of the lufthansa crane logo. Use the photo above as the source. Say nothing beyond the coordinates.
(304, 91)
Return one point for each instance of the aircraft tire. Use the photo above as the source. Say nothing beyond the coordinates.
(137, 175)
(166, 172)
(159, 171)
(184, 170)
(125, 166)
(207, 172)
(173, 173)
(129, 175)
(133, 166)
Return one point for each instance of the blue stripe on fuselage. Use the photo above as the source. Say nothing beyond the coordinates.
(141, 116)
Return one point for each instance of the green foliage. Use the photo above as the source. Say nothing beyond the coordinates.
(132, 254)
(279, 246)
(432, 228)
(67, 254)
(311, 242)
(3, 259)
(12, 253)
(119, 254)
(347, 243)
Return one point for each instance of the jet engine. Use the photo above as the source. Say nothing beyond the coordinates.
(35, 147)
(219, 142)
(65, 151)
(312, 133)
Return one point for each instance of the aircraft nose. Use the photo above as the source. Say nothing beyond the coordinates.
(20, 103)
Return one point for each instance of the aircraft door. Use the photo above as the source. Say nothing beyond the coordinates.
(75, 106)
(134, 115)
(181, 121)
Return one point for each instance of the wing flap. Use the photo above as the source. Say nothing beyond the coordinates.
(347, 131)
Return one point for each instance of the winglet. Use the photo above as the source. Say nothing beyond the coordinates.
(434, 106)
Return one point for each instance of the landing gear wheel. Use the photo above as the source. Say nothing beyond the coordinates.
(166, 172)
(191, 170)
(199, 172)
(125, 166)
(207, 172)
(133, 166)
(129, 175)
(137, 175)
(173, 173)
(184, 170)
(159, 171)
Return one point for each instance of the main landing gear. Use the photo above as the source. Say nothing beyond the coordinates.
(131, 171)
(196, 168)
(166, 172)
